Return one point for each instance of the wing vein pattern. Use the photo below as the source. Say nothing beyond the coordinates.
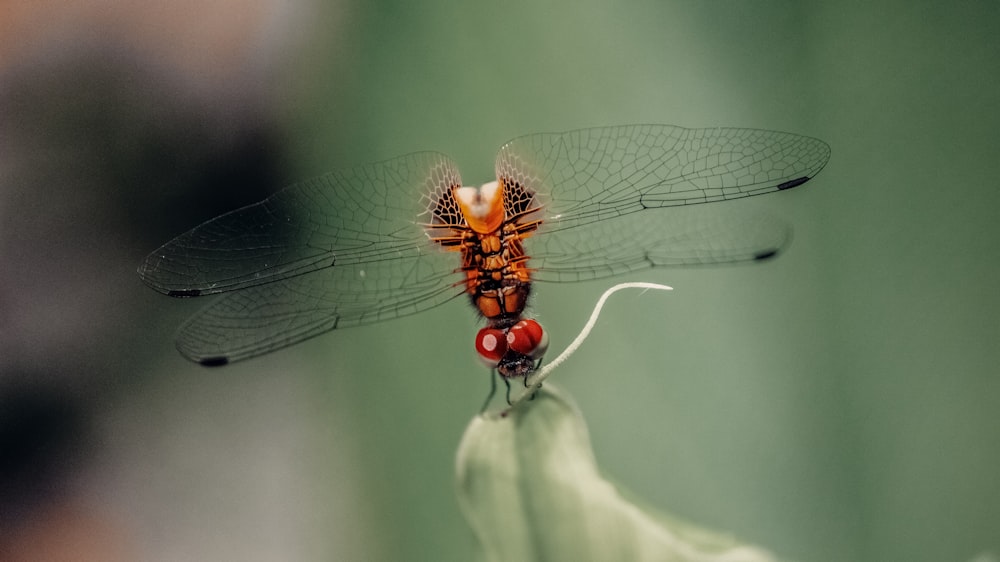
(349, 248)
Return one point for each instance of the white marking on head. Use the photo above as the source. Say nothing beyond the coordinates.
(489, 342)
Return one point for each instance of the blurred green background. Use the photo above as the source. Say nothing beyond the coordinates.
(840, 403)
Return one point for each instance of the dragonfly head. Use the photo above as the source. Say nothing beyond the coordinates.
(514, 351)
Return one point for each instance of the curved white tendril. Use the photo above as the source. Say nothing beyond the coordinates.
(542, 374)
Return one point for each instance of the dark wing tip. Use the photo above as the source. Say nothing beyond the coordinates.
(214, 361)
(184, 293)
(793, 183)
(149, 276)
(765, 255)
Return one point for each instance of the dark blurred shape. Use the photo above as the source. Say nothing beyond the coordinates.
(44, 439)
(119, 128)
(101, 126)
(46, 442)
(104, 158)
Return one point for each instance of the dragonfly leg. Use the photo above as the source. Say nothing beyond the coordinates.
(507, 382)
(538, 365)
(493, 390)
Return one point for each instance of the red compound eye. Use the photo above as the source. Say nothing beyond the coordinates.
(491, 344)
(528, 338)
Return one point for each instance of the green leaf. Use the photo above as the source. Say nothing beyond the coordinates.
(530, 488)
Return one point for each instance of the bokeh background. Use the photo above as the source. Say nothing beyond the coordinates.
(840, 403)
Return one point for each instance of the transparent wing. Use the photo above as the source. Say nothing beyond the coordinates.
(600, 178)
(340, 250)
(351, 217)
(264, 318)
(347, 248)
(688, 237)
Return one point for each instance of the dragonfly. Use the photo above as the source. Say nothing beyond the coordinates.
(402, 236)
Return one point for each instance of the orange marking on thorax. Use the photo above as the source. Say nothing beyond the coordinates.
(482, 208)
(490, 240)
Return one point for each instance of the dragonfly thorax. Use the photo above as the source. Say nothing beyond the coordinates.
(483, 207)
(497, 278)
(488, 226)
